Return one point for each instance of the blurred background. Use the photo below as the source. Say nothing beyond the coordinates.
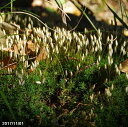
(98, 7)
(96, 10)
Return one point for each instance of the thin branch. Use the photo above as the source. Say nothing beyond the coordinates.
(21, 12)
(77, 23)
(15, 63)
(60, 10)
(8, 65)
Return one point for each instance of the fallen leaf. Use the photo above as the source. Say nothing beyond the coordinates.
(16, 50)
(124, 66)
(70, 8)
(42, 55)
(9, 28)
(31, 46)
(8, 62)
(125, 32)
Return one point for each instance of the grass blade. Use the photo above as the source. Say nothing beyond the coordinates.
(116, 16)
(79, 7)
(7, 4)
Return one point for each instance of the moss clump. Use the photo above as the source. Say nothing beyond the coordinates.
(77, 83)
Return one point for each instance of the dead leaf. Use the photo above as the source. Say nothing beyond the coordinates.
(70, 8)
(42, 55)
(31, 46)
(9, 28)
(124, 66)
(16, 50)
(125, 32)
(8, 62)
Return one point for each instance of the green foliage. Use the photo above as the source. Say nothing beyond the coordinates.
(113, 111)
(65, 100)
